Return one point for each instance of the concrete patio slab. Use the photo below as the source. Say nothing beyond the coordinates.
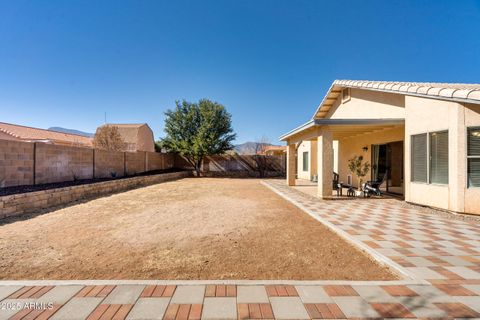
(149, 309)
(219, 309)
(77, 309)
(188, 295)
(252, 294)
(288, 308)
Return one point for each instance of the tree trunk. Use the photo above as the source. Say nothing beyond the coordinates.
(198, 166)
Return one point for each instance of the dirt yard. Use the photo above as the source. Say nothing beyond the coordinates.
(196, 228)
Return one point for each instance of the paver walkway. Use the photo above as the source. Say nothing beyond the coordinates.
(438, 257)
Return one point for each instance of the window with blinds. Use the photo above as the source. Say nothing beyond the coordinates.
(439, 157)
(473, 156)
(419, 158)
(305, 161)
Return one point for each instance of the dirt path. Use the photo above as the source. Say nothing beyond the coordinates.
(188, 229)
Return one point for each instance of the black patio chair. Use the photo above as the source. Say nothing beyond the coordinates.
(338, 186)
(373, 187)
(335, 181)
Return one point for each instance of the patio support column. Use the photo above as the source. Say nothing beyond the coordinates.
(291, 159)
(325, 163)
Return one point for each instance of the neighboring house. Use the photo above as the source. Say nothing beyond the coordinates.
(275, 150)
(424, 136)
(137, 137)
(16, 132)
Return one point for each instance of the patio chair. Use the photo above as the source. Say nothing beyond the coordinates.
(335, 182)
(338, 186)
(373, 187)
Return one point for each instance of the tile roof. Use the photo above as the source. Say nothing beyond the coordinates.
(37, 134)
(462, 92)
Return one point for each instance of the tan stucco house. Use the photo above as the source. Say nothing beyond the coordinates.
(425, 137)
(137, 136)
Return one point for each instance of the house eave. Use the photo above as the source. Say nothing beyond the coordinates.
(342, 122)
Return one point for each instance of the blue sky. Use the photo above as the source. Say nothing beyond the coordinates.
(65, 63)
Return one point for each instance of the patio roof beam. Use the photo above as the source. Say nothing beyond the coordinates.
(312, 124)
(332, 122)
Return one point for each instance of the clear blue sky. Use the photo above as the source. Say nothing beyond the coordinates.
(65, 63)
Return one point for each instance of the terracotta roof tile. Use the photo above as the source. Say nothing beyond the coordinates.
(37, 134)
(466, 92)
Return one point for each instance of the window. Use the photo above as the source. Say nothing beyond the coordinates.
(345, 94)
(473, 156)
(419, 158)
(439, 157)
(305, 161)
(430, 157)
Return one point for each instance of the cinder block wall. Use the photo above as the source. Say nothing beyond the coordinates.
(109, 164)
(235, 165)
(16, 163)
(159, 161)
(26, 163)
(135, 162)
(56, 163)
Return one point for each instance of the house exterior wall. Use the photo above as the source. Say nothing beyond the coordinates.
(472, 195)
(422, 115)
(145, 141)
(305, 146)
(365, 104)
(353, 146)
(419, 120)
(456, 118)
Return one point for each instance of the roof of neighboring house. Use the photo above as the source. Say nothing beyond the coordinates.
(281, 148)
(37, 134)
(128, 131)
(461, 92)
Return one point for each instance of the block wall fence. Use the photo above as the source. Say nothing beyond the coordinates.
(236, 165)
(26, 163)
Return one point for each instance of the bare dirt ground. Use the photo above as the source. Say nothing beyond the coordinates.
(196, 228)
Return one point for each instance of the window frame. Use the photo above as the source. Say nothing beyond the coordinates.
(305, 161)
(468, 157)
(429, 158)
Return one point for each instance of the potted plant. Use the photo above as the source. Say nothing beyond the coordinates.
(360, 169)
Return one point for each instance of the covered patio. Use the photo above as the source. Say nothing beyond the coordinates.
(378, 141)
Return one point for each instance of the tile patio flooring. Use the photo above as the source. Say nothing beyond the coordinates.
(438, 257)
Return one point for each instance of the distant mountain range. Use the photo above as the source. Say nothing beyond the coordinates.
(71, 131)
(247, 147)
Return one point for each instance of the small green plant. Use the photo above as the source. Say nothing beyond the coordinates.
(359, 168)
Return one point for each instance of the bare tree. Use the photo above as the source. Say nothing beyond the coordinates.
(260, 157)
(108, 138)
